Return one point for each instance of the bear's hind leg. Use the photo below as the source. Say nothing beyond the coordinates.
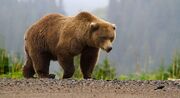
(41, 65)
(28, 70)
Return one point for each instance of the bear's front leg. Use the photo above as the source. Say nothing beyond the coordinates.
(88, 60)
(68, 66)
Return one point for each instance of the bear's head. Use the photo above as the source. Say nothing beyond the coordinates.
(103, 35)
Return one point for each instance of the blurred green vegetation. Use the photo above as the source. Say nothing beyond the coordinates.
(104, 71)
(162, 73)
(10, 67)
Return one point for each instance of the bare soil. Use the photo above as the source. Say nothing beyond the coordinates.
(69, 88)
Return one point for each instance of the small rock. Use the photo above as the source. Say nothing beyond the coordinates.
(159, 87)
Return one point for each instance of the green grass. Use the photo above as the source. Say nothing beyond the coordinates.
(174, 68)
(104, 71)
(4, 62)
(11, 67)
(162, 73)
(14, 75)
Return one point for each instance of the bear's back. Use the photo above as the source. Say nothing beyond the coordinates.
(44, 25)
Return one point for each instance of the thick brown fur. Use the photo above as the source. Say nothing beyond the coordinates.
(59, 37)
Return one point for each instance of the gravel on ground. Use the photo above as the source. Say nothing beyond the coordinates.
(69, 88)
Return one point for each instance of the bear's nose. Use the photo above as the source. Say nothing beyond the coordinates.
(109, 49)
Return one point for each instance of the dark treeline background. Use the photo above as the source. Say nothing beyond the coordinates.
(148, 31)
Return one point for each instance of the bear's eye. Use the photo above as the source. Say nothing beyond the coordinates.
(103, 38)
(111, 38)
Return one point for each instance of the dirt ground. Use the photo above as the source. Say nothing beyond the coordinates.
(68, 88)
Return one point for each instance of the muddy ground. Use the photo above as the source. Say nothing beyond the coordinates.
(68, 88)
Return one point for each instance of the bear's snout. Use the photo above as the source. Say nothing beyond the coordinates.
(108, 49)
(106, 46)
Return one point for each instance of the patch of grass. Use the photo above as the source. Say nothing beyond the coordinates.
(4, 62)
(162, 73)
(104, 71)
(10, 66)
(174, 68)
(14, 75)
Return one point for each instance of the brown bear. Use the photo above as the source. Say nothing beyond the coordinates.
(59, 37)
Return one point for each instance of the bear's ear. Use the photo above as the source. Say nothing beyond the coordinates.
(94, 26)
